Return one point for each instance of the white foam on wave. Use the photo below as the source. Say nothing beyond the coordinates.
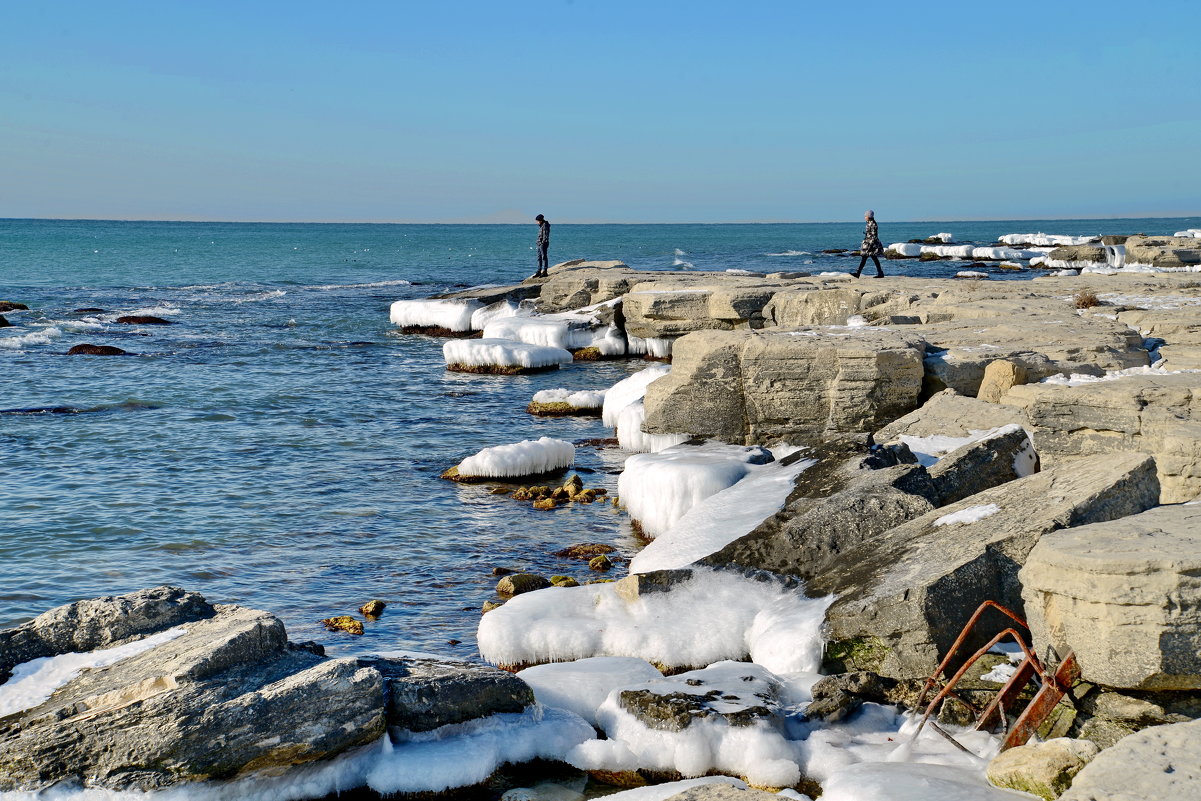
(368, 285)
(43, 336)
(790, 253)
(260, 296)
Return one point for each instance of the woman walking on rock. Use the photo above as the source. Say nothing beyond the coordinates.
(871, 247)
(542, 244)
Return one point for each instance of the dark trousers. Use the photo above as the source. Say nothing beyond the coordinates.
(863, 261)
(543, 263)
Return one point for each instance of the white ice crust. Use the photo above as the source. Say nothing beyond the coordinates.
(721, 518)
(968, 516)
(628, 390)
(529, 457)
(452, 314)
(577, 399)
(631, 437)
(929, 450)
(1047, 240)
(909, 249)
(503, 353)
(657, 347)
(713, 616)
(1080, 379)
(659, 488)
(35, 681)
(583, 685)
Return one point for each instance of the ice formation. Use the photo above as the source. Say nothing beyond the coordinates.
(1046, 240)
(970, 274)
(1080, 379)
(569, 332)
(631, 436)
(628, 390)
(1191, 233)
(451, 314)
(909, 249)
(661, 792)
(968, 516)
(659, 488)
(903, 781)
(949, 251)
(481, 317)
(583, 685)
(503, 353)
(721, 518)
(944, 238)
(529, 457)
(656, 347)
(759, 751)
(712, 616)
(34, 681)
(579, 399)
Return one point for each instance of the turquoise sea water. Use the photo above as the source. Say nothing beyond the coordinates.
(280, 445)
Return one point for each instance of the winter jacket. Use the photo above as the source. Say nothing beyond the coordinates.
(871, 240)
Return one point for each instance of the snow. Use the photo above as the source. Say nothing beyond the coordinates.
(944, 238)
(969, 515)
(884, 781)
(657, 489)
(856, 321)
(970, 274)
(502, 353)
(33, 682)
(721, 518)
(1066, 273)
(929, 449)
(568, 331)
(759, 752)
(661, 792)
(578, 399)
(1003, 254)
(482, 316)
(949, 251)
(451, 314)
(529, 457)
(1192, 233)
(1000, 673)
(583, 685)
(711, 616)
(909, 249)
(1046, 240)
(629, 390)
(1070, 264)
(631, 436)
(1080, 379)
(657, 347)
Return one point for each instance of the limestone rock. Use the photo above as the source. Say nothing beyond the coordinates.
(635, 585)
(763, 386)
(1042, 769)
(488, 295)
(1163, 251)
(100, 623)
(518, 583)
(836, 697)
(575, 285)
(914, 586)
(1124, 596)
(1154, 414)
(950, 414)
(977, 466)
(662, 309)
(1162, 762)
(1093, 253)
(999, 376)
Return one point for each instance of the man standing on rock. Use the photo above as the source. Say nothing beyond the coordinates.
(871, 246)
(543, 243)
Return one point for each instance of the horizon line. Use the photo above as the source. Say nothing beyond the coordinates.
(585, 222)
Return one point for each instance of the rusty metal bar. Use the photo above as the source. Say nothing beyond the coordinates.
(1045, 700)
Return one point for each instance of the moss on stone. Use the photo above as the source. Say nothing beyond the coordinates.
(856, 653)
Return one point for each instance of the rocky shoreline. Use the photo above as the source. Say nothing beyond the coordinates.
(833, 475)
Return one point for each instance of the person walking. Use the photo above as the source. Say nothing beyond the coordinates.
(542, 244)
(871, 247)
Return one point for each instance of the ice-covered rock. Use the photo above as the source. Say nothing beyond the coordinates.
(501, 356)
(908, 250)
(530, 457)
(659, 488)
(569, 331)
(950, 251)
(913, 587)
(702, 617)
(583, 685)
(908, 781)
(1046, 240)
(434, 315)
(629, 390)
(766, 386)
(724, 718)
(1123, 595)
(551, 402)
(651, 347)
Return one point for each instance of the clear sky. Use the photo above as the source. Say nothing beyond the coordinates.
(599, 110)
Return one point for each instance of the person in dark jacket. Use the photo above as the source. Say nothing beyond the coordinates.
(871, 247)
(543, 243)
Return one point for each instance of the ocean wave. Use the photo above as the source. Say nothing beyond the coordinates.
(683, 265)
(396, 282)
(260, 296)
(680, 252)
(42, 336)
(151, 311)
(790, 253)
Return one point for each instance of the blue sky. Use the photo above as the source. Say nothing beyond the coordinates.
(599, 111)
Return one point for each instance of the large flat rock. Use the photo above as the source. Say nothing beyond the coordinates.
(1154, 414)
(914, 586)
(764, 386)
(1163, 762)
(1124, 595)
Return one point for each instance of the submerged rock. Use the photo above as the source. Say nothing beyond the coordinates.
(585, 550)
(343, 623)
(88, 349)
(373, 608)
(142, 319)
(8, 306)
(518, 583)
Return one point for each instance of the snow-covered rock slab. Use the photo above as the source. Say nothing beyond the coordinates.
(555, 402)
(629, 390)
(501, 356)
(1046, 240)
(566, 331)
(452, 316)
(659, 488)
(530, 457)
(702, 618)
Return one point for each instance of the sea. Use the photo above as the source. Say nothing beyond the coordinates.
(280, 444)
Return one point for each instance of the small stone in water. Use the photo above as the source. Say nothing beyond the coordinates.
(502, 571)
(344, 623)
(599, 563)
(372, 608)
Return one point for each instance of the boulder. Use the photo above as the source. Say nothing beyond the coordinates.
(578, 284)
(1124, 596)
(4, 323)
(141, 319)
(489, 295)
(1093, 253)
(1163, 762)
(1165, 252)
(999, 376)
(671, 308)
(764, 386)
(1003, 456)
(8, 306)
(100, 623)
(1154, 414)
(518, 583)
(836, 697)
(914, 586)
(674, 703)
(1043, 769)
(88, 349)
